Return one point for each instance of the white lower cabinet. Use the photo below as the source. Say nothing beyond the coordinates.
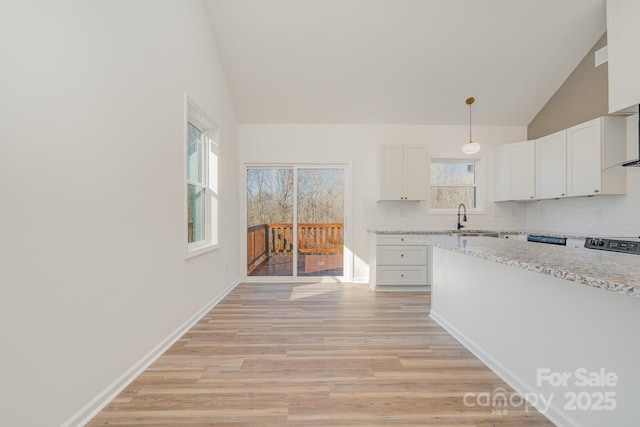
(398, 260)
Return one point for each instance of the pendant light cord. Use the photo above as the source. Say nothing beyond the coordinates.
(470, 101)
(470, 147)
(470, 123)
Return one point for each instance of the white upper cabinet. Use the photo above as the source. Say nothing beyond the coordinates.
(584, 159)
(623, 40)
(572, 162)
(591, 148)
(392, 172)
(523, 170)
(514, 167)
(417, 170)
(403, 172)
(551, 166)
(500, 174)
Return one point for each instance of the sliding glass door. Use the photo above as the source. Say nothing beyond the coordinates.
(295, 221)
(270, 222)
(320, 211)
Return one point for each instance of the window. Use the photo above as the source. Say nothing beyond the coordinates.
(201, 181)
(455, 181)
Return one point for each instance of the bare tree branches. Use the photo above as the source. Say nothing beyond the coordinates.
(270, 196)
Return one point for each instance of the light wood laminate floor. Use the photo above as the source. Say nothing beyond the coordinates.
(316, 355)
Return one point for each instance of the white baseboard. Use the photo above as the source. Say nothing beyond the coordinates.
(553, 413)
(91, 409)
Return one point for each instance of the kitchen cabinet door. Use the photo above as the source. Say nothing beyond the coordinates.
(514, 171)
(592, 148)
(403, 172)
(392, 172)
(416, 170)
(551, 166)
(584, 159)
(522, 170)
(501, 172)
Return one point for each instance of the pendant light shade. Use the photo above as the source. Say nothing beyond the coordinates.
(470, 147)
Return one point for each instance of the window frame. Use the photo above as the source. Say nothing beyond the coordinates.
(480, 183)
(197, 117)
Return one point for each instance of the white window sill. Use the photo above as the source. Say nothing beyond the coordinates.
(195, 252)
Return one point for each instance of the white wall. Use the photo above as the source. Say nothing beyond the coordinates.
(358, 145)
(613, 216)
(92, 269)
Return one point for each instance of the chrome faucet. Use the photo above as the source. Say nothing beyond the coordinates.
(464, 215)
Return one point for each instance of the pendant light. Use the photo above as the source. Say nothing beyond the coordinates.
(470, 147)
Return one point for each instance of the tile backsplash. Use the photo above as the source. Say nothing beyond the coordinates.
(498, 216)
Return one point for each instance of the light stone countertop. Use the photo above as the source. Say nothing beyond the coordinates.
(610, 271)
(386, 229)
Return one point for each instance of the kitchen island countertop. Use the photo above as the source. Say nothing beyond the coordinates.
(610, 271)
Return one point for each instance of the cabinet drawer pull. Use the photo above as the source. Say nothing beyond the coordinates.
(562, 194)
(402, 275)
(531, 197)
(401, 255)
(596, 191)
(402, 239)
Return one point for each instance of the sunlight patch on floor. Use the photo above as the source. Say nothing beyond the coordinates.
(312, 290)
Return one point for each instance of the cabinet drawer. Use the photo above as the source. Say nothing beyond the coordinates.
(395, 275)
(397, 239)
(401, 255)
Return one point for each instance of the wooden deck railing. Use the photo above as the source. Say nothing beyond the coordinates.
(265, 240)
(256, 245)
(325, 239)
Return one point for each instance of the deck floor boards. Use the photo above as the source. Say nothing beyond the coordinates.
(308, 265)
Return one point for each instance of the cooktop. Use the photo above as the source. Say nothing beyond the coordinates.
(613, 245)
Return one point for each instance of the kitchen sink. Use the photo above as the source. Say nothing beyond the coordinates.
(475, 233)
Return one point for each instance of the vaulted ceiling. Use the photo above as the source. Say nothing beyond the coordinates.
(400, 61)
